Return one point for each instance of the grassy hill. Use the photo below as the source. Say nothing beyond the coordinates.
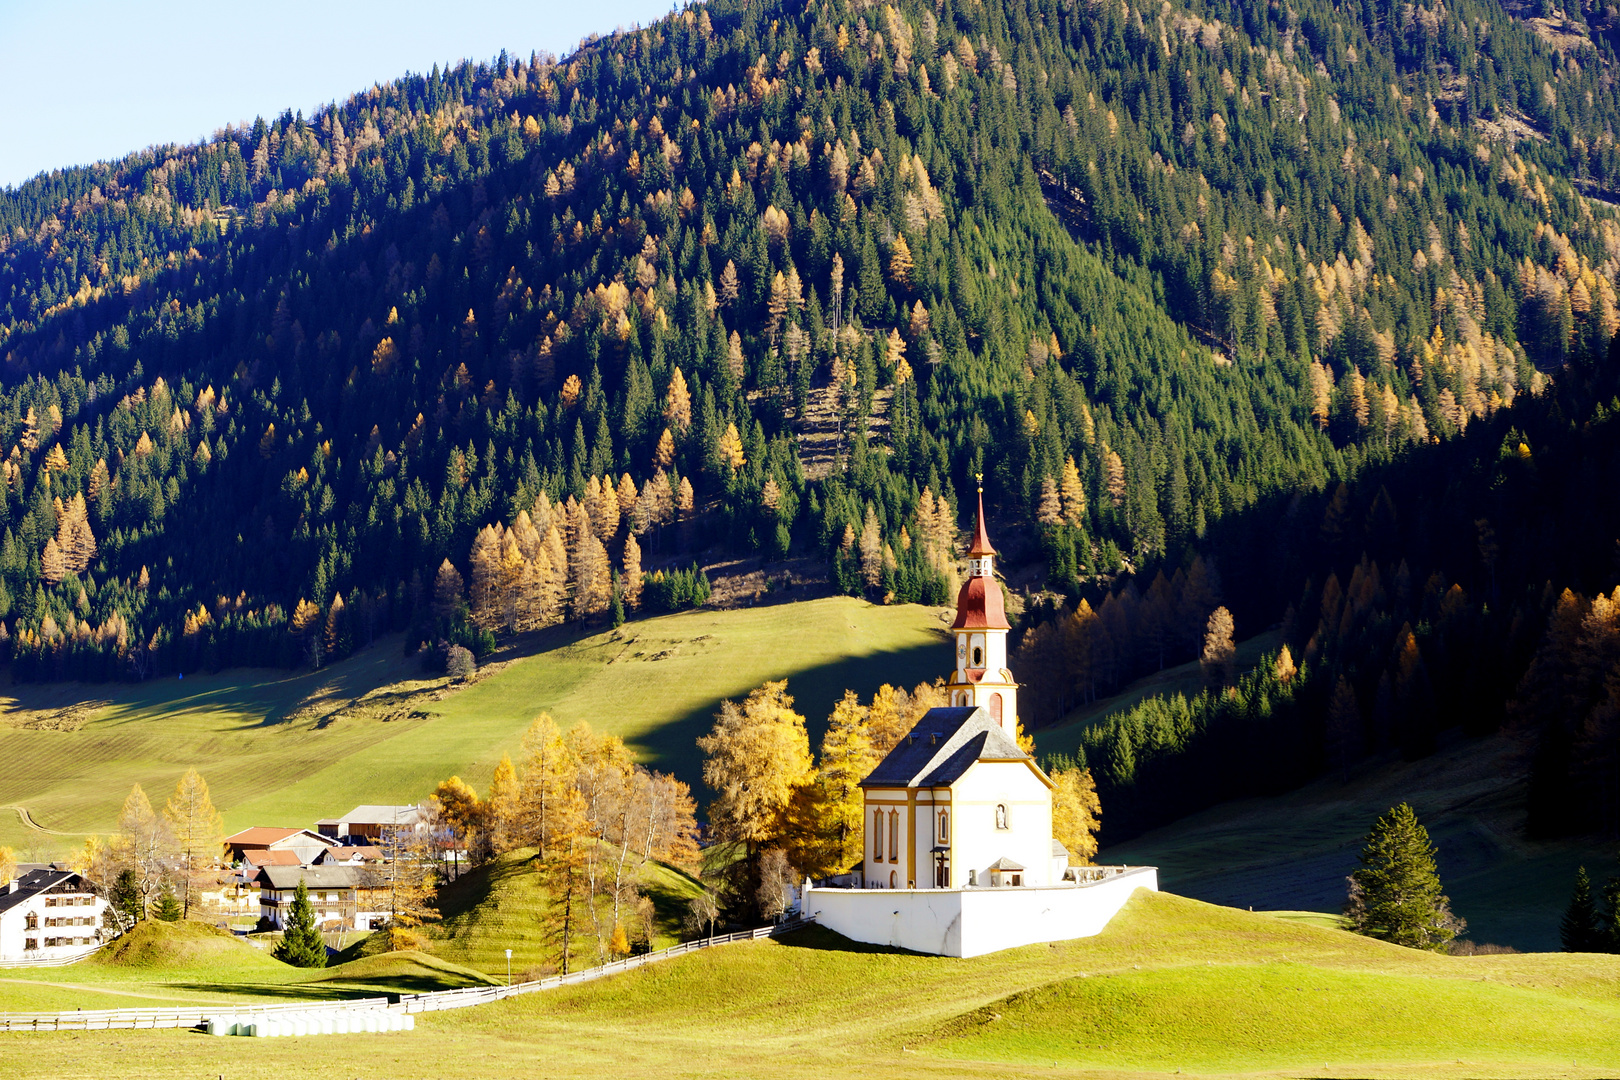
(1293, 851)
(1172, 985)
(500, 905)
(288, 749)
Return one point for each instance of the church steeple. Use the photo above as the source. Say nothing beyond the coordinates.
(981, 677)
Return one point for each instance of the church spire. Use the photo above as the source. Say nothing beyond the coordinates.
(979, 603)
(981, 538)
(981, 678)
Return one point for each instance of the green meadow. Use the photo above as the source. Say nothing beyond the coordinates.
(170, 965)
(287, 749)
(1172, 986)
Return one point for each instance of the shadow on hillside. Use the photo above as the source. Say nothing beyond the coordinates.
(820, 939)
(288, 991)
(672, 747)
(256, 697)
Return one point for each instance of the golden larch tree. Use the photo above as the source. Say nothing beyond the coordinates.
(754, 757)
(197, 828)
(630, 583)
(501, 817)
(549, 772)
(1076, 813)
(1073, 493)
(678, 403)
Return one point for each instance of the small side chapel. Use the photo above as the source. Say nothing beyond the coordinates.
(959, 857)
(957, 803)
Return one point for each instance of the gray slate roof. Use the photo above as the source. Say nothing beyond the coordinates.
(373, 814)
(941, 747)
(31, 884)
(316, 877)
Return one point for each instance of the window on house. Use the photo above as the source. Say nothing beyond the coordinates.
(1001, 815)
(944, 826)
(32, 922)
(31, 944)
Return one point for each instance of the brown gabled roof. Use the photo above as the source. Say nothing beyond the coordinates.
(265, 857)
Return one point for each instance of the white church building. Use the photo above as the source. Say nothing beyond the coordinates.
(959, 855)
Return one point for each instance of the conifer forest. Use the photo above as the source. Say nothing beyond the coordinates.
(1303, 310)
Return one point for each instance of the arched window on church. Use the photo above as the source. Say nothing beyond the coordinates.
(995, 707)
(944, 826)
(978, 657)
(894, 879)
(877, 834)
(894, 836)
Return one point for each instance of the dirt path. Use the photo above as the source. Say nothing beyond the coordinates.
(29, 822)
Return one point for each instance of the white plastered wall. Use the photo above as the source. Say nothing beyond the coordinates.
(973, 922)
(976, 842)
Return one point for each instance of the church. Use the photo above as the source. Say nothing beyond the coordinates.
(959, 857)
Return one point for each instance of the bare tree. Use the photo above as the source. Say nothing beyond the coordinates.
(701, 911)
(776, 882)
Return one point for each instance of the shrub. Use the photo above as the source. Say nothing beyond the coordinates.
(459, 663)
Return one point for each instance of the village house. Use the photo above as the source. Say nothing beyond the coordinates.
(369, 824)
(343, 897)
(224, 892)
(50, 915)
(959, 857)
(358, 855)
(303, 844)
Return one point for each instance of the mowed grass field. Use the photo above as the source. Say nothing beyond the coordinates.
(288, 749)
(1172, 986)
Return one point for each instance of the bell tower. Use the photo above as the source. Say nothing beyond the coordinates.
(980, 677)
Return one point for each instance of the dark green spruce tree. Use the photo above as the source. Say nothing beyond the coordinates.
(168, 908)
(1396, 895)
(1581, 930)
(126, 895)
(301, 944)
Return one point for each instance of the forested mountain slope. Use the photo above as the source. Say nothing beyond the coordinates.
(307, 361)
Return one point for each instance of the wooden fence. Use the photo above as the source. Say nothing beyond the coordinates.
(189, 1016)
(55, 961)
(436, 1001)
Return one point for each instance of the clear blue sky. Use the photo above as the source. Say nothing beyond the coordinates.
(89, 80)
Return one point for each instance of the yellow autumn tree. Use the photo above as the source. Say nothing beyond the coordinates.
(1076, 813)
(197, 828)
(731, 447)
(755, 756)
